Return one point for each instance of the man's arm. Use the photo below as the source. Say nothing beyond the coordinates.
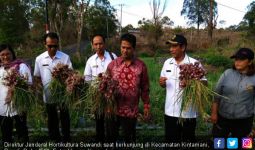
(145, 92)
(214, 114)
(87, 71)
(163, 78)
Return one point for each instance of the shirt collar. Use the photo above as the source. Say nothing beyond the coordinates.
(57, 56)
(98, 57)
(121, 60)
(185, 60)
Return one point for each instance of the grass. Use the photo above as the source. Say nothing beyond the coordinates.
(157, 93)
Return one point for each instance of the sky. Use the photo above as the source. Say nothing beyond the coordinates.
(231, 11)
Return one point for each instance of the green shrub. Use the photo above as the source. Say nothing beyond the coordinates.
(218, 61)
(144, 54)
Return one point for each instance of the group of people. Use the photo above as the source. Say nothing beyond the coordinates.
(232, 110)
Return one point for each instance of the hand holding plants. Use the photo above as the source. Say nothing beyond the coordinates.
(162, 81)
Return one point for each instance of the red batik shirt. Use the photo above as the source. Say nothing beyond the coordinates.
(133, 83)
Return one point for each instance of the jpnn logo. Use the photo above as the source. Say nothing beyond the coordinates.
(219, 143)
(247, 143)
(232, 143)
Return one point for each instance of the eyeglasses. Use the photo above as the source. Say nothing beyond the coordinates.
(52, 46)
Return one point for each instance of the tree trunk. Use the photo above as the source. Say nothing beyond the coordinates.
(82, 9)
(210, 25)
(198, 24)
(79, 33)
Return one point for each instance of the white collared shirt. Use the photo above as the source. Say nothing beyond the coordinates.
(173, 91)
(4, 109)
(44, 65)
(95, 65)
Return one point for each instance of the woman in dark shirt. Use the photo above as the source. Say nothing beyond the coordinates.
(232, 112)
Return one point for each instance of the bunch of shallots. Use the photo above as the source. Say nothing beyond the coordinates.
(66, 86)
(190, 72)
(74, 82)
(101, 95)
(194, 94)
(107, 86)
(19, 94)
(61, 72)
(13, 78)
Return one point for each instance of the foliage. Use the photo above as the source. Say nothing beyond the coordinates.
(218, 61)
(13, 22)
(127, 28)
(250, 17)
(100, 19)
(157, 93)
(197, 11)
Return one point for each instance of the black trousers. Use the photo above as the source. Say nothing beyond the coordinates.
(177, 132)
(239, 128)
(53, 122)
(100, 129)
(128, 126)
(20, 125)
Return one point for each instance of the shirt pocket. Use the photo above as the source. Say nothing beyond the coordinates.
(94, 68)
(170, 75)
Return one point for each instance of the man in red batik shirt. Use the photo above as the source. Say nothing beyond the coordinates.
(133, 83)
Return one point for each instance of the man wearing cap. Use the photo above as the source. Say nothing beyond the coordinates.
(169, 79)
(233, 111)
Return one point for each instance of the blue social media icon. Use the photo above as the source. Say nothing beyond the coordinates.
(232, 143)
(219, 143)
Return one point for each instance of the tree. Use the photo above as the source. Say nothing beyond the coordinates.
(58, 16)
(100, 19)
(167, 21)
(127, 28)
(249, 17)
(13, 22)
(153, 28)
(222, 22)
(156, 19)
(36, 17)
(198, 12)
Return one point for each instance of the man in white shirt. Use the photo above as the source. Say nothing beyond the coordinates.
(95, 66)
(169, 79)
(44, 65)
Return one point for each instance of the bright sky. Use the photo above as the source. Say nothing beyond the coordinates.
(231, 11)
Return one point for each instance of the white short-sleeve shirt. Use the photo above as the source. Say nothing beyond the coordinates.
(44, 65)
(95, 65)
(5, 110)
(173, 91)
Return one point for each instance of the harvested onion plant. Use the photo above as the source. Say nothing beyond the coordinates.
(101, 94)
(66, 86)
(57, 87)
(21, 97)
(194, 94)
(75, 88)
